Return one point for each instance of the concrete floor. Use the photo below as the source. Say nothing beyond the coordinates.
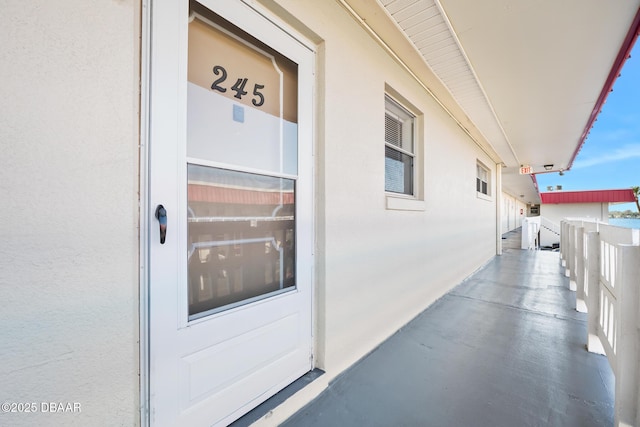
(504, 348)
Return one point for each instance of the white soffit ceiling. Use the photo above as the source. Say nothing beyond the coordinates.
(430, 32)
(528, 73)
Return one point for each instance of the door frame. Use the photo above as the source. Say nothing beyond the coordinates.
(145, 220)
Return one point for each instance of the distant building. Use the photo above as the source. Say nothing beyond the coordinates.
(593, 204)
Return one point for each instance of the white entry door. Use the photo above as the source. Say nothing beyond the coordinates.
(230, 201)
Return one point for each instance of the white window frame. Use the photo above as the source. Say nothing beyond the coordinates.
(481, 167)
(395, 104)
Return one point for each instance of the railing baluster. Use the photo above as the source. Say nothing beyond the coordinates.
(579, 270)
(593, 295)
(563, 241)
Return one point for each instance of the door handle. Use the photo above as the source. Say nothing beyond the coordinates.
(161, 216)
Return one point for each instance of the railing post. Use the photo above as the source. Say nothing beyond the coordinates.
(570, 249)
(627, 369)
(579, 273)
(593, 292)
(567, 230)
(563, 243)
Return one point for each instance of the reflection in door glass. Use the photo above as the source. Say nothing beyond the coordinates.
(241, 231)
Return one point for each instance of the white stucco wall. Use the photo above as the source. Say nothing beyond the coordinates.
(378, 268)
(69, 216)
(557, 212)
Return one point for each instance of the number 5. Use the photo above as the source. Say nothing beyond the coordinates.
(260, 101)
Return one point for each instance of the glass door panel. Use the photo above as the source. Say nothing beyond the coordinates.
(242, 100)
(241, 231)
(242, 114)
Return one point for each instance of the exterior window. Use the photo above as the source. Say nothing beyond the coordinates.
(482, 179)
(399, 150)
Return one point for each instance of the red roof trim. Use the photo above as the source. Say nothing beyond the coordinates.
(535, 182)
(623, 55)
(593, 196)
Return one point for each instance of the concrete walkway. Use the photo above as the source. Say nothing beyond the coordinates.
(502, 349)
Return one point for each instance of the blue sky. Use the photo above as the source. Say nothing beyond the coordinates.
(610, 157)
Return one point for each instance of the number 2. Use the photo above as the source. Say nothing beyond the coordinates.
(219, 70)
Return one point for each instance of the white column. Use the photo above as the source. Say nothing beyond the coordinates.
(627, 370)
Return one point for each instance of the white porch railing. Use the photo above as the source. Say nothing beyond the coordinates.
(603, 266)
(549, 232)
(539, 231)
(530, 237)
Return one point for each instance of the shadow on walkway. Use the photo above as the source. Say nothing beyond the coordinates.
(502, 349)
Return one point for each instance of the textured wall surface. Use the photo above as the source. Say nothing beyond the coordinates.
(69, 213)
(378, 268)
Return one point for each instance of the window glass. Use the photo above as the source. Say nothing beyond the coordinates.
(398, 127)
(242, 101)
(482, 179)
(399, 148)
(398, 169)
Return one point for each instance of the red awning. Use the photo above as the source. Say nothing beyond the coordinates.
(592, 196)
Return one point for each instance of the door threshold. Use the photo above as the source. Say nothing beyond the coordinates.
(277, 399)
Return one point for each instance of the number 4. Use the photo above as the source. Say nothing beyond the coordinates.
(238, 87)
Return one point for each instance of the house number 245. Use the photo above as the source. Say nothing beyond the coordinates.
(238, 87)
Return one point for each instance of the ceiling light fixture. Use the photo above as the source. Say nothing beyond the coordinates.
(548, 167)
